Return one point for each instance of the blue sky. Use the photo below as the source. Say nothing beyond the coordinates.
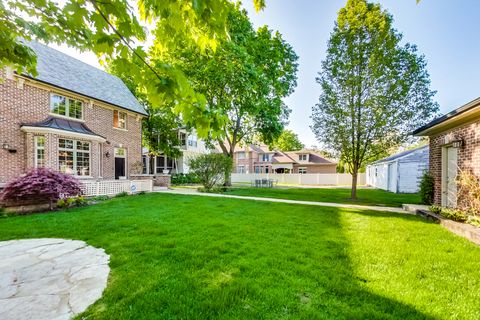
(445, 31)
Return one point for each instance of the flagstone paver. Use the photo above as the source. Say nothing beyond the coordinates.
(50, 278)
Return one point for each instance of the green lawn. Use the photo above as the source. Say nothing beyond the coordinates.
(181, 257)
(373, 197)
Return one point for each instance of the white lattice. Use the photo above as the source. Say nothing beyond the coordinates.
(113, 187)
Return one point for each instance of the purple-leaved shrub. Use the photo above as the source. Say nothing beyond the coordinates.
(40, 185)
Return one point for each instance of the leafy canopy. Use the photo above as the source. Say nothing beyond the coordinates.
(243, 82)
(374, 89)
(118, 30)
(288, 141)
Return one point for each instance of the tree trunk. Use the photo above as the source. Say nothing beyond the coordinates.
(228, 173)
(354, 184)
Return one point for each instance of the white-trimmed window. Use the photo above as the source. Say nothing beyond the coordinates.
(240, 169)
(74, 157)
(302, 170)
(119, 119)
(265, 157)
(39, 151)
(240, 155)
(303, 157)
(182, 136)
(67, 107)
(192, 140)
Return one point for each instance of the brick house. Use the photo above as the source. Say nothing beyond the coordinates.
(71, 117)
(454, 145)
(260, 159)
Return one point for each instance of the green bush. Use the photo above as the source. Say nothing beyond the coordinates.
(454, 214)
(426, 188)
(71, 202)
(211, 169)
(100, 198)
(182, 178)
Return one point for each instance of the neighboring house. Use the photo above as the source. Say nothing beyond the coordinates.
(454, 146)
(260, 159)
(71, 117)
(190, 145)
(399, 173)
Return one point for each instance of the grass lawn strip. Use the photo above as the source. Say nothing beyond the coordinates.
(175, 256)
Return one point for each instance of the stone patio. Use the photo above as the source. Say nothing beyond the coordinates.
(50, 278)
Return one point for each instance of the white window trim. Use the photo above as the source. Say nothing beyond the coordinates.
(302, 168)
(243, 157)
(74, 150)
(126, 120)
(37, 148)
(119, 156)
(67, 108)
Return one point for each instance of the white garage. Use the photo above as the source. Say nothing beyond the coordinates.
(399, 173)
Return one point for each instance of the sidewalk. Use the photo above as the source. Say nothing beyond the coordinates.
(193, 192)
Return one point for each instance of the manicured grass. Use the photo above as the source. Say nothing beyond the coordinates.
(372, 197)
(181, 257)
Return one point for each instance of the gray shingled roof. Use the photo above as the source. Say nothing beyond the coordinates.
(63, 71)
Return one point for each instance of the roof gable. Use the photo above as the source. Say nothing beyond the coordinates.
(63, 71)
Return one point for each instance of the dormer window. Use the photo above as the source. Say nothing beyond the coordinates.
(66, 107)
(303, 157)
(119, 119)
(265, 157)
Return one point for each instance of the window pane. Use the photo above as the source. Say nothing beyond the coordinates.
(65, 143)
(83, 146)
(75, 109)
(115, 118)
(39, 151)
(58, 105)
(65, 161)
(83, 163)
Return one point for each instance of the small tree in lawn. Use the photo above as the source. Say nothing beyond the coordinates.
(210, 168)
(374, 90)
(42, 184)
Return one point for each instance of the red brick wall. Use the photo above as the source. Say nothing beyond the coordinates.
(468, 155)
(316, 169)
(31, 103)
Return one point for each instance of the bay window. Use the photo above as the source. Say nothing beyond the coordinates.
(74, 157)
(39, 151)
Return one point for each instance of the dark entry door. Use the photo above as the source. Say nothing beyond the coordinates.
(119, 167)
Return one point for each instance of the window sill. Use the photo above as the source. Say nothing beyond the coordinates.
(65, 117)
(120, 129)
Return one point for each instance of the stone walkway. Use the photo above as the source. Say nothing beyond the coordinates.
(194, 192)
(50, 278)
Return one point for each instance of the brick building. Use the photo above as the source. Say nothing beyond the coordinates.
(260, 159)
(454, 146)
(71, 117)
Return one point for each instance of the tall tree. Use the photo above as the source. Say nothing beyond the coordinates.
(243, 81)
(288, 141)
(374, 89)
(117, 30)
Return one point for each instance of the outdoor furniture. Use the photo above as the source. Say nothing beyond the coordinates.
(264, 183)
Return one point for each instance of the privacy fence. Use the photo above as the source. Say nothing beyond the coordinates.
(318, 179)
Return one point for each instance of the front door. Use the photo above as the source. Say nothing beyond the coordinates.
(119, 167)
(449, 175)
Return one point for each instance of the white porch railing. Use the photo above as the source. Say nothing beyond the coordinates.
(319, 179)
(113, 187)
